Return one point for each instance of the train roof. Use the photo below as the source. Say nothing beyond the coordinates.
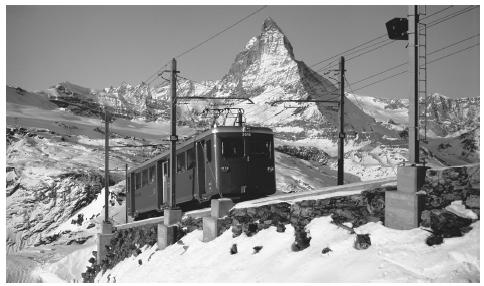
(214, 130)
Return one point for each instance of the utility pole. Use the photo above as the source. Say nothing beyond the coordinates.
(173, 137)
(106, 166)
(403, 207)
(127, 188)
(341, 135)
(413, 143)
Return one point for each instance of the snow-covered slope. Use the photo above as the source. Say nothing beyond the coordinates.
(394, 256)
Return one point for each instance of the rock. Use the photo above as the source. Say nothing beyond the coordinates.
(252, 212)
(136, 252)
(362, 241)
(434, 240)
(280, 227)
(233, 249)
(256, 249)
(301, 240)
(236, 230)
(472, 201)
(326, 250)
(447, 224)
(251, 229)
(425, 218)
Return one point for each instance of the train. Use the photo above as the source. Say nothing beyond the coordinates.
(234, 162)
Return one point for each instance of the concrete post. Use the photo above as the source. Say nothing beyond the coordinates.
(167, 231)
(403, 207)
(220, 207)
(211, 224)
(103, 239)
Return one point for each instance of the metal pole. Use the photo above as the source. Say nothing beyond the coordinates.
(413, 143)
(106, 166)
(341, 135)
(173, 137)
(127, 188)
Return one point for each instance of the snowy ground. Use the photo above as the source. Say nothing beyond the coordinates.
(394, 256)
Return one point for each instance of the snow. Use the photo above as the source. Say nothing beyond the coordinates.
(394, 256)
(459, 209)
(295, 175)
(69, 268)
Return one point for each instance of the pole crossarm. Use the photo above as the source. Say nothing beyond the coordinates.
(272, 103)
(213, 98)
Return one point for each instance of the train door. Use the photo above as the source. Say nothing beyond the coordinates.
(166, 182)
(210, 181)
(260, 165)
(201, 167)
(233, 165)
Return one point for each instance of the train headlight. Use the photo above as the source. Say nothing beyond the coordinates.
(270, 169)
(225, 169)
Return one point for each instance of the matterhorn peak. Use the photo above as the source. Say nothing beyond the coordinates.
(270, 24)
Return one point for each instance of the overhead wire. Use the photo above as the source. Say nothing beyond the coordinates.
(374, 39)
(405, 63)
(430, 24)
(405, 71)
(219, 33)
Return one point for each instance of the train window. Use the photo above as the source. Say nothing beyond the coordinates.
(260, 147)
(190, 158)
(144, 178)
(232, 147)
(152, 174)
(208, 148)
(180, 163)
(137, 181)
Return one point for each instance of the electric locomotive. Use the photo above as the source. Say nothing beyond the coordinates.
(226, 161)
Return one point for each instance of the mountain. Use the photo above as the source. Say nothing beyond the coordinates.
(445, 116)
(264, 71)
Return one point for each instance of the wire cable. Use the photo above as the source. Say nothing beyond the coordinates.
(430, 24)
(219, 33)
(374, 39)
(405, 71)
(405, 63)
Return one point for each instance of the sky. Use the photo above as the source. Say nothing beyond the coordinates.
(102, 46)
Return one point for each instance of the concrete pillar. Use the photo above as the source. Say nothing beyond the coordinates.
(103, 239)
(221, 207)
(211, 224)
(172, 217)
(166, 235)
(404, 206)
(403, 210)
(167, 231)
(210, 228)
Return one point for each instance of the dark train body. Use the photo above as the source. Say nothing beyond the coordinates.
(226, 161)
